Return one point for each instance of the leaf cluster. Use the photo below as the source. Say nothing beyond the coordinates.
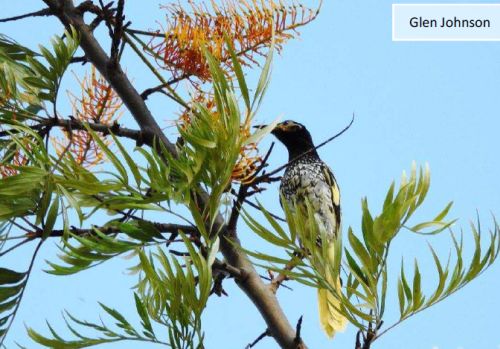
(364, 295)
(12, 285)
(124, 331)
(26, 81)
(173, 288)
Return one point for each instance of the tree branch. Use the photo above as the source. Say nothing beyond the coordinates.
(258, 339)
(161, 227)
(282, 277)
(252, 284)
(86, 6)
(147, 92)
(73, 124)
(40, 13)
(71, 16)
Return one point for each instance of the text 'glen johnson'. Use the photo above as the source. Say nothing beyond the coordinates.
(443, 22)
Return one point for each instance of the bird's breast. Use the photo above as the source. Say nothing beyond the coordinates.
(303, 182)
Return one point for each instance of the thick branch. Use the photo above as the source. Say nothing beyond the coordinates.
(250, 282)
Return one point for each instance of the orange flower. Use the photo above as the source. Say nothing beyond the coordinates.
(249, 160)
(18, 159)
(248, 25)
(98, 103)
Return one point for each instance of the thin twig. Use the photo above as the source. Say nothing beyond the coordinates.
(282, 277)
(156, 34)
(298, 329)
(243, 194)
(12, 221)
(172, 93)
(263, 164)
(271, 278)
(147, 92)
(107, 230)
(41, 13)
(263, 335)
(223, 266)
(26, 240)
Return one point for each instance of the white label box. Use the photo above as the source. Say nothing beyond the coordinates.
(446, 22)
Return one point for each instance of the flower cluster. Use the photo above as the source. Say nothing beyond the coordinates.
(98, 103)
(18, 159)
(248, 25)
(249, 160)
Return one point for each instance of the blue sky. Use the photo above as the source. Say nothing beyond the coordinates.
(435, 102)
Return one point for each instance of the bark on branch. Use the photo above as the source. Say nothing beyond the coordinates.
(250, 282)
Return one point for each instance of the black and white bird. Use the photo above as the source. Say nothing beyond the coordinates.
(308, 179)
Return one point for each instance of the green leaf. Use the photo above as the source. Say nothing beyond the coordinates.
(443, 213)
(110, 155)
(114, 313)
(51, 218)
(401, 298)
(261, 132)
(356, 269)
(406, 287)
(141, 310)
(389, 196)
(238, 72)
(263, 232)
(360, 251)
(276, 226)
(417, 291)
(130, 162)
(264, 78)
(8, 276)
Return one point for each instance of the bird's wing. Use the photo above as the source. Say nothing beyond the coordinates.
(334, 194)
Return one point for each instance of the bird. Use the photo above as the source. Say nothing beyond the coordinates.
(308, 179)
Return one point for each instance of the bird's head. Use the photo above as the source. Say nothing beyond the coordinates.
(294, 136)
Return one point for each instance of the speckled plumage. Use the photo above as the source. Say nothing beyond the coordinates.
(310, 178)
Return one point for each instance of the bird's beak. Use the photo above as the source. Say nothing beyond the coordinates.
(259, 126)
(277, 127)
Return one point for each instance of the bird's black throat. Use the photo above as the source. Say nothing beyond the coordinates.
(301, 149)
(297, 143)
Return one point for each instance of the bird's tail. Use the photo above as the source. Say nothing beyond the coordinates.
(331, 319)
